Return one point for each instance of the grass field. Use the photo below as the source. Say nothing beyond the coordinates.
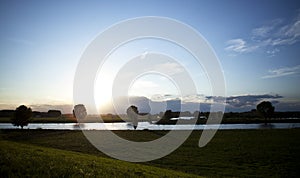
(235, 153)
(24, 160)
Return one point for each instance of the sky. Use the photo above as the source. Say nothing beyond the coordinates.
(257, 44)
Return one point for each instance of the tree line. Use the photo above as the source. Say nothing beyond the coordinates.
(22, 114)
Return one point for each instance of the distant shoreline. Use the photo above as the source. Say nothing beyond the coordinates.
(161, 122)
(250, 117)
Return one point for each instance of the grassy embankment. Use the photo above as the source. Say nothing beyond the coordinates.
(25, 160)
(237, 153)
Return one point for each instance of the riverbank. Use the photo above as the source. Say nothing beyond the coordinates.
(117, 119)
(231, 153)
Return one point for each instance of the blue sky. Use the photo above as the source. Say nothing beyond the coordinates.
(41, 43)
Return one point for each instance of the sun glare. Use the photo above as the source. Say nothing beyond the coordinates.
(152, 85)
(103, 89)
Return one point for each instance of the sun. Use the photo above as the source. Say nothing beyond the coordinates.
(103, 89)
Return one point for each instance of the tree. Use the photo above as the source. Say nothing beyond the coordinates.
(266, 109)
(132, 113)
(168, 114)
(21, 116)
(79, 111)
(54, 113)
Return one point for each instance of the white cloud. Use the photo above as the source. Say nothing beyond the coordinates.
(239, 45)
(194, 98)
(142, 88)
(263, 31)
(293, 30)
(144, 84)
(197, 98)
(266, 30)
(169, 68)
(283, 72)
(272, 52)
(268, 37)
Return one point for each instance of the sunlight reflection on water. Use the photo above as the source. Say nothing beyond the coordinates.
(148, 126)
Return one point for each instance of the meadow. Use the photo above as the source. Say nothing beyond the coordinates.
(231, 153)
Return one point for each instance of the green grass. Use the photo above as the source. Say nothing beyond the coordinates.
(231, 153)
(240, 153)
(23, 160)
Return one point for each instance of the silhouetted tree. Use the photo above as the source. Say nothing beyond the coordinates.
(266, 109)
(79, 111)
(132, 113)
(21, 116)
(168, 115)
(54, 113)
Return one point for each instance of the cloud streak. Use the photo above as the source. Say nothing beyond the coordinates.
(195, 102)
(239, 46)
(170, 68)
(249, 100)
(284, 71)
(269, 37)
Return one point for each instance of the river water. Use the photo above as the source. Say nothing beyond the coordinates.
(147, 125)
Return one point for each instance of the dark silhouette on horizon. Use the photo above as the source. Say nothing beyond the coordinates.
(21, 116)
(132, 113)
(50, 113)
(266, 109)
(79, 112)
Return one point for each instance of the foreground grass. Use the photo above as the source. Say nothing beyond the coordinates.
(231, 153)
(23, 160)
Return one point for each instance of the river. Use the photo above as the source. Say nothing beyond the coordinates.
(147, 125)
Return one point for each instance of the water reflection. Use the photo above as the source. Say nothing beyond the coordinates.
(148, 126)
